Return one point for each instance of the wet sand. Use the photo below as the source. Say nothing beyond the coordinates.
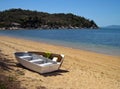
(80, 69)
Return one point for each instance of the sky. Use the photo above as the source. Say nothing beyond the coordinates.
(103, 12)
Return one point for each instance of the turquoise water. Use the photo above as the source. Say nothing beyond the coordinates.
(104, 40)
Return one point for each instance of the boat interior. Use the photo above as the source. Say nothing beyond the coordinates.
(41, 57)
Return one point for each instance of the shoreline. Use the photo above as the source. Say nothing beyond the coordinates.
(63, 46)
(81, 48)
(85, 69)
(94, 45)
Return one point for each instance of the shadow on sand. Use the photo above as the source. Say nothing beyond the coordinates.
(5, 62)
(55, 73)
(7, 80)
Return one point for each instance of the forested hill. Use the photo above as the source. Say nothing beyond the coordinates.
(19, 18)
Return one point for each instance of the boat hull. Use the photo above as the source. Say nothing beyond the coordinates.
(41, 68)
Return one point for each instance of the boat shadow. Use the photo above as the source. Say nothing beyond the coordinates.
(54, 73)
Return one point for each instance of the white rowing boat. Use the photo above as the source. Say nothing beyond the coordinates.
(40, 62)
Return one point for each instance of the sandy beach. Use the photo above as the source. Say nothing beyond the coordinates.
(80, 69)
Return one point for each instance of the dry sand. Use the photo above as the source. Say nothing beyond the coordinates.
(80, 69)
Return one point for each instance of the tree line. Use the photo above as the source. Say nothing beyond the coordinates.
(33, 19)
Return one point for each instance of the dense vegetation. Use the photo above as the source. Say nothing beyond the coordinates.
(33, 19)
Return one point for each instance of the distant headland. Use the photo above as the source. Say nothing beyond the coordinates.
(27, 19)
(113, 26)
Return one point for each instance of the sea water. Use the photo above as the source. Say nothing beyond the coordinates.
(103, 40)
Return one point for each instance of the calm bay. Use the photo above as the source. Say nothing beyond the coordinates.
(103, 40)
